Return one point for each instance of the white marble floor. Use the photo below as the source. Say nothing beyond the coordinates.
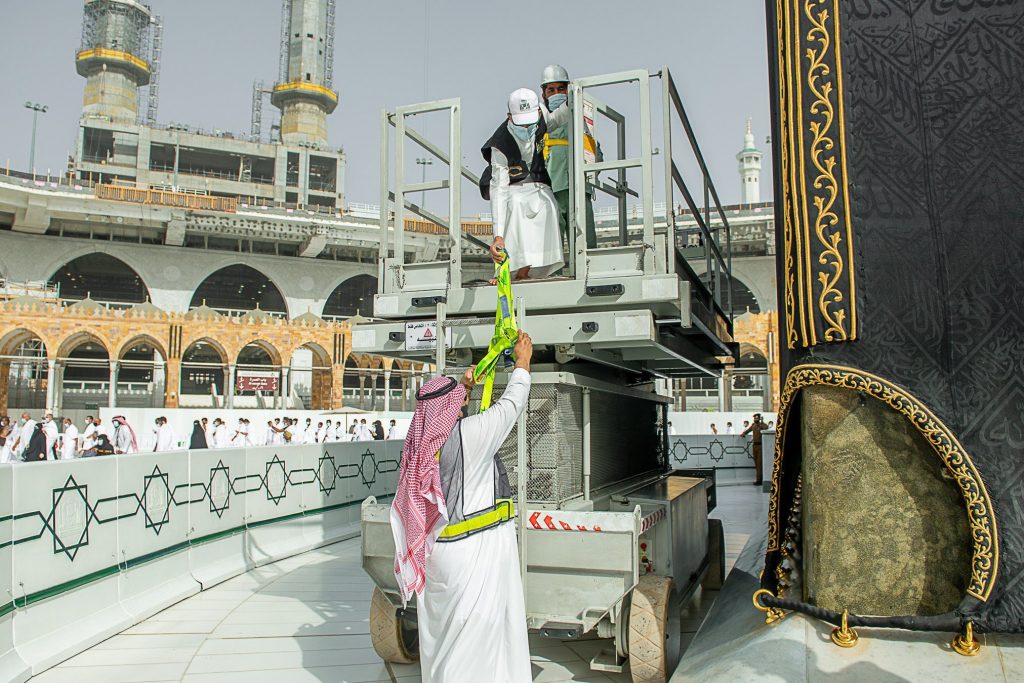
(304, 619)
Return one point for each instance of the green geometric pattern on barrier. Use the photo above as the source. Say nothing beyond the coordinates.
(716, 450)
(72, 513)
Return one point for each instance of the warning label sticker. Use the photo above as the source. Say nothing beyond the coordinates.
(422, 335)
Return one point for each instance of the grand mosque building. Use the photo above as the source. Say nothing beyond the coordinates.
(174, 267)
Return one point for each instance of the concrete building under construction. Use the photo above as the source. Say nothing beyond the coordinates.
(120, 56)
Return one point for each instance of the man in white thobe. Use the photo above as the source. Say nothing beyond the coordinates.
(363, 431)
(523, 207)
(28, 425)
(69, 443)
(166, 439)
(52, 433)
(393, 431)
(220, 434)
(88, 439)
(470, 610)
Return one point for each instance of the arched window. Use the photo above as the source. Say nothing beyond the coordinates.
(743, 300)
(239, 288)
(202, 369)
(351, 296)
(102, 277)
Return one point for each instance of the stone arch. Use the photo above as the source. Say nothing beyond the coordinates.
(73, 341)
(352, 295)
(134, 340)
(14, 338)
(239, 287)
(210, 341)
(22, 382)
(752, 355)
(268, 347)
(203, 365)
(101, 276)
(743, 298)
(320, 376)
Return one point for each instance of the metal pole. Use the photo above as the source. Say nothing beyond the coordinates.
(521, 463)
(586, 443)
(36, 109)
(32, 149)
(441, 350)
(423, 163)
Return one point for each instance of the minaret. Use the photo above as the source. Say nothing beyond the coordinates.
(112, 57)
(750, 169)
(303, 92)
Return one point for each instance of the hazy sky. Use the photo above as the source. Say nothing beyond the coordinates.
(399, 52)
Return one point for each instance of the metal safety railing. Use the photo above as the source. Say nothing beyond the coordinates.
(587, 263)
(394, 272)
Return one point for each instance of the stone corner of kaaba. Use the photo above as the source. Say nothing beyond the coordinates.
(898, 454)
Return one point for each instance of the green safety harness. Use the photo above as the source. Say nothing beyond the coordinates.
(506, 332)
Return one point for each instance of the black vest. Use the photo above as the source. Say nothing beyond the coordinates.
(503, 140)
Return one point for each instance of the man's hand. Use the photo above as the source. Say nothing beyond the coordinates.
(523, 351)
(468, 380)
(498, 250)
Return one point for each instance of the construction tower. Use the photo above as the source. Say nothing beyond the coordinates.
(303, 92)
(113, 57)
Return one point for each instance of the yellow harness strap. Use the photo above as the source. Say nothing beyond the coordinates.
(502, 511)
(506, 332)
(588, 144)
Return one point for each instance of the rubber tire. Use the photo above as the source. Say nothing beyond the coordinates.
(389, 636)
(654, 631)
(715, 576)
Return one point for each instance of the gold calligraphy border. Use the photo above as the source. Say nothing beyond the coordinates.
(980, 514)
(819, 295)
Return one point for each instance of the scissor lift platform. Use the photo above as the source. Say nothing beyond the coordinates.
(636, 305)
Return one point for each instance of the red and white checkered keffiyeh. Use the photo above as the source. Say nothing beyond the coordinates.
(418, 513)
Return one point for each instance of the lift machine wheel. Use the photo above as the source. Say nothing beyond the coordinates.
(393, 636)
(654, 630)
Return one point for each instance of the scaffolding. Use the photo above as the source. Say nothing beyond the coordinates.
(286, 30)
(329, 45)
(153, 89)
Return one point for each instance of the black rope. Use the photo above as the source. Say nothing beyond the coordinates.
(951, 622)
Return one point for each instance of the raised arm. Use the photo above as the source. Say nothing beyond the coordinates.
(488, 430)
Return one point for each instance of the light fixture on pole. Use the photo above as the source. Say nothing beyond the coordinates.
(36, 108)
(423, 163)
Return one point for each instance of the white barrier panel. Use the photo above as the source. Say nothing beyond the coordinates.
(731, 455)
(217, 512)
(12, 666)
(272, 488)
(89, 547)
(65, 543)
(153, 528)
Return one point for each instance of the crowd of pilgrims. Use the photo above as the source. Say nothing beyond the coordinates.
(30, 440)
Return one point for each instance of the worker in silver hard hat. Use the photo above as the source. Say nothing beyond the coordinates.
(554, 88)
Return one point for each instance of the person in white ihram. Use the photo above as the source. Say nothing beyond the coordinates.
(51, 432)
(166, 440)
(455, 546)
(523, 207)
(28, 425)
(88, 439)
(69, 442)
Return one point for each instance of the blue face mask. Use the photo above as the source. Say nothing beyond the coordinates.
(524, 133)
(556, 101)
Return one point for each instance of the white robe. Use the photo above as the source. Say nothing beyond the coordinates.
(471, 614)
(364, 433)
(526, 214)
(68, 448)
(51, 432)
(88, 437)
(165, 438)
(220, 436)
(309, 434)
(24, 436)
(393, 433)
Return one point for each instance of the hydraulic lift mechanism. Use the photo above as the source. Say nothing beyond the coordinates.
(611, 540)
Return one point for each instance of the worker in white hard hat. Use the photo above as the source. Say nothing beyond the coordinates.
(525, 214)
(554, 88)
